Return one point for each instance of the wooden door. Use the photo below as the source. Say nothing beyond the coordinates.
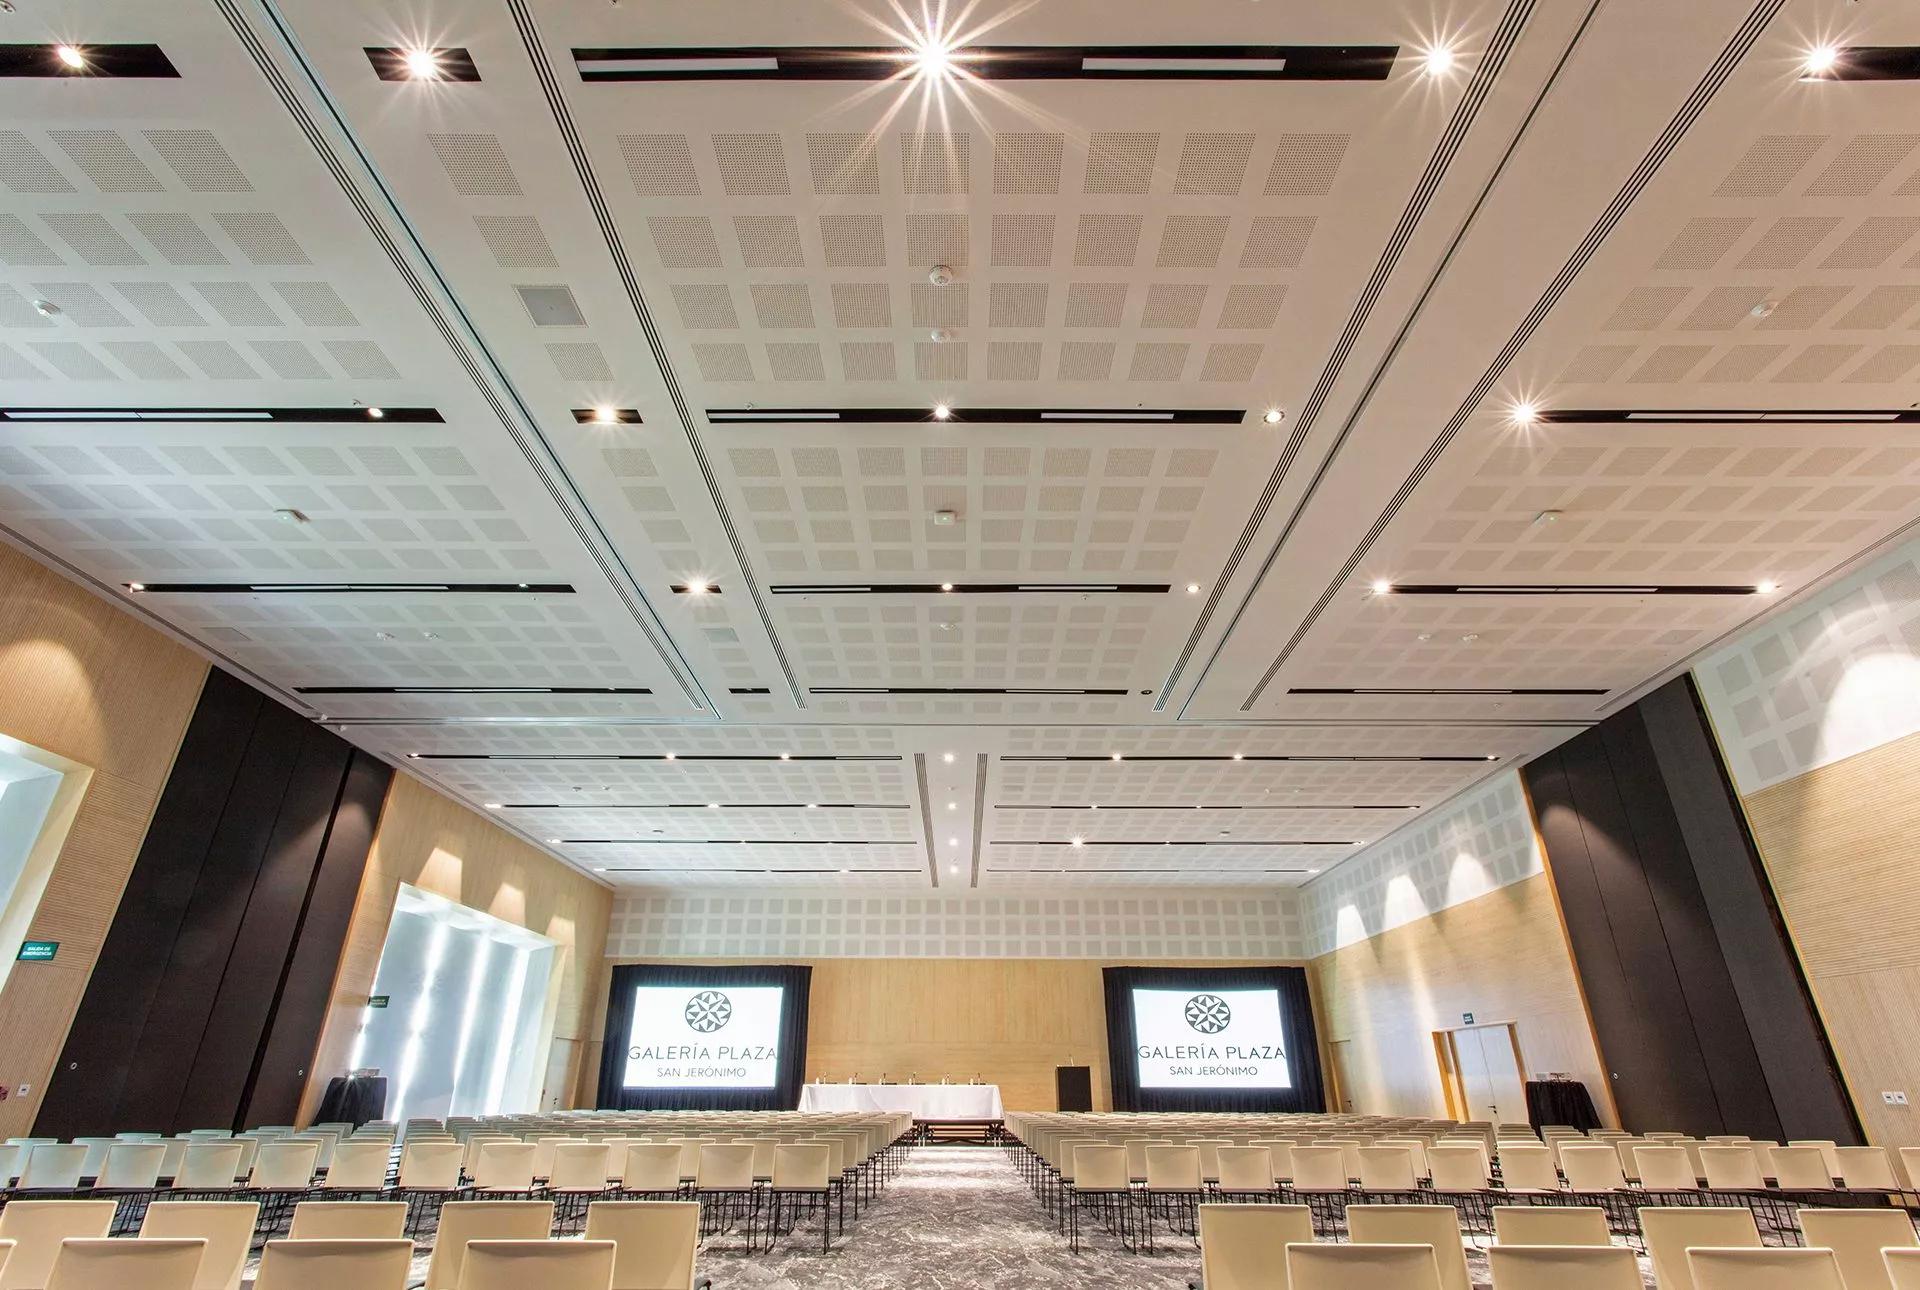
(1342, 1050)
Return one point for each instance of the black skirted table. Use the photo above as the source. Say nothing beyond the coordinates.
(353, 1099)
(1560, 1101)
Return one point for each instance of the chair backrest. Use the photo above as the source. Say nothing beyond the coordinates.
(1100, 1168)
(1903, 1267)
(1910, 1166)
(1671, 1231)
(348, 1220)
(36, 1228)
(225, 1225)
(507, 1166)
(1435, 1225)
(359, 1166)
(579, 1166)
(1563, 1267)
(1280, 1153)
(1801, 1169)
(285, 1165)
(208, 1165)
(1362, 1267)
(1856, 1237)
(1173, 1168)
(1731, 1168)
(551, 1265)
(1550, 1225)
(800, 1166)
(1245, 1169)
(1744, 1269)
(1242, 1246)
(1528, 1169)
(1459, 1168)
(651, 1166)
(332, 1264)
(725, 1166)
(430, 1166)
(1319, 1169)
(132, 1166)
(1664, 1169)
(99, 1263)
(1592, 1168)
(462, 1221)
(656, 1240)
(96, 1156)
(1866, 1169)
(1387, 1169)
(1827, 1148)
(53, 1166)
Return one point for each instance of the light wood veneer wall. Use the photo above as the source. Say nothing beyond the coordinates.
(1009, 1021)
(1502, 957)
(438, 845)
(1840, 844)
(87, 682)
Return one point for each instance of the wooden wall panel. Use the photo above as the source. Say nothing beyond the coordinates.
(1009, 1021)
(1502, 957)
(1838, 843)
(88, 682)
(438, 845)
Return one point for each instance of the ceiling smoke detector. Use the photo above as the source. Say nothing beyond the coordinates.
(945, 519)
(940, 275)
(289, 515)
(939, 335)
(1764, 309)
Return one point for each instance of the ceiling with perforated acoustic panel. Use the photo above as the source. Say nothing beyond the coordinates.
(1074, 446)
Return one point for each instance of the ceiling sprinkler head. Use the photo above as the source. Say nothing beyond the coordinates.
(940, 275)
(46, 308)
(939, 335)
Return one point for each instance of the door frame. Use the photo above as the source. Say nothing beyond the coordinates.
(1447, 1056)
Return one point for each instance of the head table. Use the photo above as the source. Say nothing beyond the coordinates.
(922, 1101)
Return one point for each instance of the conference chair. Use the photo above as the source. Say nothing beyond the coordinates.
(1550, 1225)
(549, 1264)
(1100, 1180)
(1746, 1269)
(578, 1176)
(724, 1183)
(348, 1220)
(1594, 1175)
(463, 1221)
(335, 1265)
(225, 1225)
(1903, 1268)
(1320, 1182)
(1670, 1232)
(507, 1169)
(1857, 1237)
(1173, 1188)
(96, 1155)
(282, 1174)
(1866, 1170)
(1434, 1225)
(1245, 1173)
(1665, 1171)
(654, 1242)
(1802, 1169)
(1528, 1171)
(1362, 1267)
(101, 1263)
(36, 1228)
(1910, 1167)
(358, 1167)
(1244, 1247)
(1386, 1173)
(131, 1173)
(52, 1169)
(1564, 1267)
(799, 1182)
(1828, 1149)
(429, 1176)
(1280, 1153)
(207, 1169)
(652, 1169)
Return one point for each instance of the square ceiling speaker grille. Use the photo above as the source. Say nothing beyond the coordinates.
(551, 306)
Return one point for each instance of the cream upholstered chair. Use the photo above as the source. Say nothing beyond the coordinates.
(1671, 1231)
(36, 1228)
(507, 1167)
(1550, 1225)
(208, 1166)
(1866, 1169)
(462, 1221)
(1563, 1267)
(1528, 1170)
(53, 1167)
(358, 1166)
(651, 1169)
(1387, 1170)
(1362, 1267)
(798, 1183)
(1802, 1169)
(1244, 1171)
(100, 1263)
(1100, 1179)
(1435, 1225)
(1903, 1268)
(1459, 1168)
(655, 1241)
(1857, 1237)
(131, 1166)
(335, 1265)
(1665, 1169)
(1743, 1269)
(1244, 1247)
(551, 1265)
(1592, 1168)
(348, 1220)
(1731, 1168)
(225, 1225)
(429, 1166)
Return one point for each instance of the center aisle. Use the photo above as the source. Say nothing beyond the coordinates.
(956, 1218)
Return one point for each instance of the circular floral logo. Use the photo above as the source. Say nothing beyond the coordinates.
(1208, 1013)
(708, 1011)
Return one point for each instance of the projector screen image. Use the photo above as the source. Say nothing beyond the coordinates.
(704, 1037)
(1210, 1039)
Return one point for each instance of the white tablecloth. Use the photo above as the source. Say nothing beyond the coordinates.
(925, 1101)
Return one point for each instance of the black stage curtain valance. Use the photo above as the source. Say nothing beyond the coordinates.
(790, 1073)
(1296, 1023)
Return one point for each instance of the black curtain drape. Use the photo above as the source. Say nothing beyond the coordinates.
(788, 1076)
(1296, 1023)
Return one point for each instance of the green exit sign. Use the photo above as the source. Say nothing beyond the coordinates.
(38, 951)
(377, 1000)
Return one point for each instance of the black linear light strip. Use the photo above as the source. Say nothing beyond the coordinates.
(727, 842)
(1139, 869)
(1253, 757)
(120, 62)
(748, 689)
(968, 589)
(706, 870)
(1263, 806)
(1726, 416)
(605, 416)
(1576, 589)
(448, 64)
(1252, 842)
(993, 63)
(673, 757)
(1377, 691)
(959, 691)
(302, 415)
(350, 588)
(1870, 63)
(696, 806)
(471, 689)
(977, 416)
